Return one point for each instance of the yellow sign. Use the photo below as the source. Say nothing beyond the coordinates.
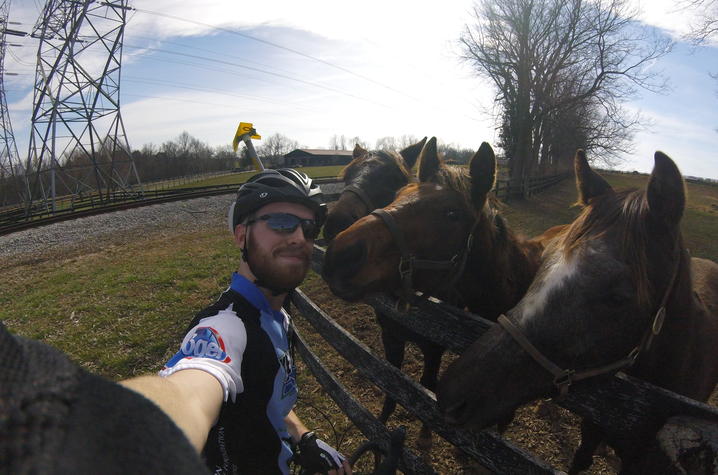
(244, 128)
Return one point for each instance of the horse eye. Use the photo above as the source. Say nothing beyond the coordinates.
(453, 215)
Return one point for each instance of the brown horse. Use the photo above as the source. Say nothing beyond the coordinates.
(488, 272)
(371, 181)
(448, 217)
(605, 288)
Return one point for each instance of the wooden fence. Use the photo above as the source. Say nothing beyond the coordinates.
(621, 405)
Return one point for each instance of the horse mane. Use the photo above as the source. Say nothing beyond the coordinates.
(381, 155)
(626, 213)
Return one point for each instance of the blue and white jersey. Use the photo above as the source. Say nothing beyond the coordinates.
(244, 343)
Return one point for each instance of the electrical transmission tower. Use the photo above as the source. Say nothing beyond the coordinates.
(11, 174)
(78, 144)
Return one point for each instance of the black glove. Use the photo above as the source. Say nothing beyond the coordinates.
(316, 456)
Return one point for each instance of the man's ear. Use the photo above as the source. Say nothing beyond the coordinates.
(240, 233)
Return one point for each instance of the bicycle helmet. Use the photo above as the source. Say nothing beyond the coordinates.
(272, 186)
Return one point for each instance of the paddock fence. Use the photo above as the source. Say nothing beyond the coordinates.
(621, 405)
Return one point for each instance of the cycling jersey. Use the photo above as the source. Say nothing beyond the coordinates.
(244, 343)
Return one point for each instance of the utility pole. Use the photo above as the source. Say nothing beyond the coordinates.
(78, 144)
(11, 174)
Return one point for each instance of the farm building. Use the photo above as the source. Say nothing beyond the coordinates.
(317, 157)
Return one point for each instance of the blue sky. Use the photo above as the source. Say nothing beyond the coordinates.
(392, 70)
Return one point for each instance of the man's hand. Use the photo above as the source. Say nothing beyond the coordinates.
(316, 456)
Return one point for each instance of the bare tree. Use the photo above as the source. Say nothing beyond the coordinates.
(548, 57)
(387, 143)
(705, 26)
(273, 148)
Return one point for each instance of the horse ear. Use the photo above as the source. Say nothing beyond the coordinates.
(589, 183)
(411, 153)
(429, 161)
(358, 151)
(666, 191)
(483, 173)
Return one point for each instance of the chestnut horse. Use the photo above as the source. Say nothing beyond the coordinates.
(371, 181)
(450, 221)
(607, 285)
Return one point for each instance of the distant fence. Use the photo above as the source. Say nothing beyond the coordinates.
(76, 206)
(18, 218)
(508, 189)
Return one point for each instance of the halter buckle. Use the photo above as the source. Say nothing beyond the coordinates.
(564, 380)
(405, 267)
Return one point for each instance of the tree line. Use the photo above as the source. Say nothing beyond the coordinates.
(77, 174)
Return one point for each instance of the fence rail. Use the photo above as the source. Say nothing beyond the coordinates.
(17, 219)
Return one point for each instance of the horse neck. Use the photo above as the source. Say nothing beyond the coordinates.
(499, 270)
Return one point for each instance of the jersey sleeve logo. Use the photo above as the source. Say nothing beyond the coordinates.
(205, 343)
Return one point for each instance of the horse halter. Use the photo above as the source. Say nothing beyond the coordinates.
(363, 197)
(563, 378)
(408, 262)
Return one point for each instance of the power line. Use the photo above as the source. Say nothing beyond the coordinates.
(222, 54)
(252, 68)
(422, 100)
(282, 47)
(205, 103)
(210, 90)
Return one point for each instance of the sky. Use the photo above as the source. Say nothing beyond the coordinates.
(311, 70)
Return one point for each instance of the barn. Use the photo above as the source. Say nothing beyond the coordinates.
(307, 157)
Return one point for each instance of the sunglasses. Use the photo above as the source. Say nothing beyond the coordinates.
(285, 223)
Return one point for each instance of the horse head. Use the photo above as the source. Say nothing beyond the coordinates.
(434, 217)
(592, 306)
(371, 181)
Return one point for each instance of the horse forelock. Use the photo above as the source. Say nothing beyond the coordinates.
(623, 217)
(354, 169)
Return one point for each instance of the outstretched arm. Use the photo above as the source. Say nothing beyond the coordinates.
(191, 398)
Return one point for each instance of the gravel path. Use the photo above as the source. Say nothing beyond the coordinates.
(93, 232)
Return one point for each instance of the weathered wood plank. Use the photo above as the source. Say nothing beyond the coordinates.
(488, 448)
(358, 414)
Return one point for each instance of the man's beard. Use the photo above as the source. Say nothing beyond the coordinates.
(270, 274)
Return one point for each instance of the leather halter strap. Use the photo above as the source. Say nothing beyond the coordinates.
(408, 262)
(563, 378)
(363, 197)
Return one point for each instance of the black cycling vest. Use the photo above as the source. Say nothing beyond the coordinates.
(244, 439)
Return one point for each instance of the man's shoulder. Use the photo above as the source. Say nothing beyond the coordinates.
(231, 302)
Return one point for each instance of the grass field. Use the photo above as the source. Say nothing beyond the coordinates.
(120, 309)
